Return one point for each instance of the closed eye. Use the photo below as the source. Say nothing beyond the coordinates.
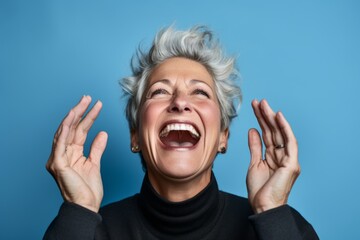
(159, 91)
(201, 92)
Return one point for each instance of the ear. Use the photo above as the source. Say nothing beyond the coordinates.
(134, 141)
(223, 141)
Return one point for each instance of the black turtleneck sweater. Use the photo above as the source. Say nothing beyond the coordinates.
(212, 214)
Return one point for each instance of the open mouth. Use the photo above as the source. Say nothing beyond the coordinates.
(179, 135)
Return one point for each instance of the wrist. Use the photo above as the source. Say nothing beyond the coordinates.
(85, 203)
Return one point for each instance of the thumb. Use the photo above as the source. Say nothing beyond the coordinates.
(98, 147)
(255, 146)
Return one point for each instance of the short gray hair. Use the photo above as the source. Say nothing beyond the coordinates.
(195, 44)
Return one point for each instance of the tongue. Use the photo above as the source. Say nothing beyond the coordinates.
(179, 139)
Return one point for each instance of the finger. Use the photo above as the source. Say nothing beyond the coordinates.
(64, 126)
(266, 132)
(98, 147)
(79, 111)
(255, 147)
(270, 118)
(59, 144)
(85, 125)
(291, 144)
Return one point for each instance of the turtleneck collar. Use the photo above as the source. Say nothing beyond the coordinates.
(174, 218)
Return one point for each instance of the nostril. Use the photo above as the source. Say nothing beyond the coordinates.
(179, 104)
(179, 109)
(174, 109)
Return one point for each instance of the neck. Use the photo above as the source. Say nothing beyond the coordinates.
(178, 190)
(190, 219)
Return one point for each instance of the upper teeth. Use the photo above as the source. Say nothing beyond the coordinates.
(179, 127)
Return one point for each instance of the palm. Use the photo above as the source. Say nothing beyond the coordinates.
(269, 181)
(78, 177)
(82, 178)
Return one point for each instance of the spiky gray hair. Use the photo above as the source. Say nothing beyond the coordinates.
(196, 44)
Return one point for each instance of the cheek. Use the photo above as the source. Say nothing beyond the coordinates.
(150, 115)
(210, 114)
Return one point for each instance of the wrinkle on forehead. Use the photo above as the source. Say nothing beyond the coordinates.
(182, 66)
(189, 82)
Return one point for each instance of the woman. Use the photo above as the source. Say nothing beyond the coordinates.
(182, 98)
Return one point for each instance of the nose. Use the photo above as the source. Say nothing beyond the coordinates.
(180, 103)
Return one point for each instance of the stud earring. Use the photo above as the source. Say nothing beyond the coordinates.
(223, 150)
(135, 148)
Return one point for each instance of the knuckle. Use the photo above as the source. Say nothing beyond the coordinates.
(56, 134)
(54, 146)
(47, 166)
(296, 169)
(50, 167)
(273, 128)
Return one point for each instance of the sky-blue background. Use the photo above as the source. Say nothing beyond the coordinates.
(303, 56)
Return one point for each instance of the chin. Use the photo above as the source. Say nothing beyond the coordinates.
(180, 170)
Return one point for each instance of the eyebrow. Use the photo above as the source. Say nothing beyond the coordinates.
(192, 82)
(165, 81)
(195, 81)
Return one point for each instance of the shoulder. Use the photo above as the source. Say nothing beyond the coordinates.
(122, 218)
(236, 211)
(120, 208)
(236, 202)
(236, 206)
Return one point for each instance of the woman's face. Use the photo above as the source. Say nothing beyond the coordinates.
(179, 131)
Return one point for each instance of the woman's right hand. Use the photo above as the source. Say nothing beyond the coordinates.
(77, 176)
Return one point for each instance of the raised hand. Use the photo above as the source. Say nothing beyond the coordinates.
(77, 176)
(269, 180)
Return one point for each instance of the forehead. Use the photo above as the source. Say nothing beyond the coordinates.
(178, 68)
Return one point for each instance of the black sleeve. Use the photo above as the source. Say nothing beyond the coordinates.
(75, 222)
(282, 223)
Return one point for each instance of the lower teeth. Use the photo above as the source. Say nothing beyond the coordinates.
(178, 144)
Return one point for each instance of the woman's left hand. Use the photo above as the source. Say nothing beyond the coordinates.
(269, 180)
